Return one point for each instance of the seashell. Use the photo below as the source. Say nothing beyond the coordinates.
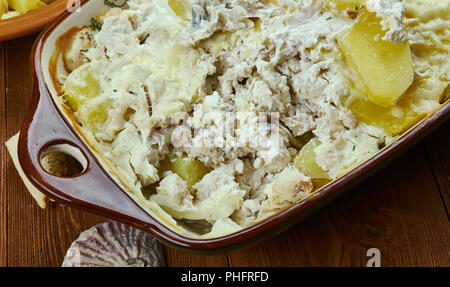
(113, 244)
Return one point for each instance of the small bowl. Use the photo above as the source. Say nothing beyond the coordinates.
(32, 21)
(96, 190)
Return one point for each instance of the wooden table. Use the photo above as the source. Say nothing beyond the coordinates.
(403, 210)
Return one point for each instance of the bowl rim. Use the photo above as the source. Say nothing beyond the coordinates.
(262, 229)
(32, 21)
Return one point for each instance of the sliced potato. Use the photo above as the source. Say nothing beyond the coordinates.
(80, 86)
(181, 8)
(192, 171)
(393, 120)
(306, 161)
(386, 68)
(3, 7)
(97, 114)
(23, 6)
(409, 110)
(81, 91)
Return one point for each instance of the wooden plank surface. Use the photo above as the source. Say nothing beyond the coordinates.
(402, 210)
(3, 159)
(177, 258)
(35, 237)
(438, 155)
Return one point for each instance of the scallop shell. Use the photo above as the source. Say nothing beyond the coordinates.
(113, 244)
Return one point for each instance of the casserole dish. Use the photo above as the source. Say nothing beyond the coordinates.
(30, 22)
(96, 190)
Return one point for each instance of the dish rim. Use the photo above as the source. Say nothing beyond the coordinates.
(262, 229)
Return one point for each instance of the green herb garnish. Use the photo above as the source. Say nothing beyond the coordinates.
(113, 4)
(95, 24)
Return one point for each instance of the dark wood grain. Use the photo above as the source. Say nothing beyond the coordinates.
(3, 158)
(402, 210)
(178, 258)
(438, 151)
(35, 237)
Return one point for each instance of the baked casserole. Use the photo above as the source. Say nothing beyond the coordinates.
(218, 114)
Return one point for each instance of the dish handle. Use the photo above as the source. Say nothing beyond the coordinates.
(93, 189)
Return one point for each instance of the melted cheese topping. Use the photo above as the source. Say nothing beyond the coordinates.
(154, 59)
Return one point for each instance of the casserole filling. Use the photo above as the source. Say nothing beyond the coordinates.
(222, 113)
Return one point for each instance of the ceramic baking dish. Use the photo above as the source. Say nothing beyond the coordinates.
(96, 190)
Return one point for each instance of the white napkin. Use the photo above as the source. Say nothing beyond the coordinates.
(11, 145)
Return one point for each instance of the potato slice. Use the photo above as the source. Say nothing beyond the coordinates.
(409, 110)
(96, 114)
(386, 68)
(3, 7)
(182, 8)
(23, 6)
(394, 120)
(192, 171)
(81, 91)
(80, 86)
(305, 161)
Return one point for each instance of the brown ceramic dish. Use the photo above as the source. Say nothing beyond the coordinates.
(94, 190)
(30, 22)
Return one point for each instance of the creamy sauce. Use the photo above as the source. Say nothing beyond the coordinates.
(62, 45)
(151, 61)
